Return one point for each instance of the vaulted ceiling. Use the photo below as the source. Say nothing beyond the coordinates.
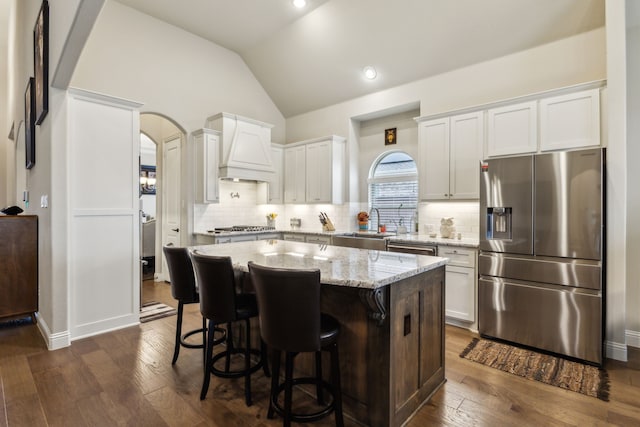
(311, 58)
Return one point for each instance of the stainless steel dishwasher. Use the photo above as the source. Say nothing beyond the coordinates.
(418, 248)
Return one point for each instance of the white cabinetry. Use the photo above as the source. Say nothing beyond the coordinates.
(294, 174)
(450, 150)
(461, 279)
(206, 143)
(271, 192)
(314, 171)
(512, 129)
(570, 121)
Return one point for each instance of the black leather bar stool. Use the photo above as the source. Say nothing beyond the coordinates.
(220, 303)
(183, 289)
(291, 321)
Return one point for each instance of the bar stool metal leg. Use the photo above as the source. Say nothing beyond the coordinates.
(176, 350)
(247, 364)
(208, 362)
(337, 387)
(288, 388)
(275, 375)
(319, 393)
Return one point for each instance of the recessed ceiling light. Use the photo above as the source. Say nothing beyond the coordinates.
(299, 3)
(370, 72)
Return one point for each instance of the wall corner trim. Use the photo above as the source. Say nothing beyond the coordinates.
(616, 351)
(54, 341)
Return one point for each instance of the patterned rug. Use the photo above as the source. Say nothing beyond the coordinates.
(581, 378)
(155, 310)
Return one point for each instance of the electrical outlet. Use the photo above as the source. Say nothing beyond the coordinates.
(44, 201)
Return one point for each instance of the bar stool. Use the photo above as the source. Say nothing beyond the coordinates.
(291, 321)
(220, 303)
(183, 289)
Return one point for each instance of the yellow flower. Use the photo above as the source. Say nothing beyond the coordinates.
(272, 215)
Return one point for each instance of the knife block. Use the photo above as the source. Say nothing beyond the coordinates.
(328, 226)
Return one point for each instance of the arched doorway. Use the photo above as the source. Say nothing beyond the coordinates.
(162, 196)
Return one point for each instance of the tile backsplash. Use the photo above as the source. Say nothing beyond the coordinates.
(466, 216)
(239, 206)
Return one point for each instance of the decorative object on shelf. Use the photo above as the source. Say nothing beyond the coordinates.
(235, 195)
(147, 179)
(271, 219)
(12, 210)
(363, 220)
(29, 126)
(327, 225)
(390, 136)
(447, 229)
(41, 63)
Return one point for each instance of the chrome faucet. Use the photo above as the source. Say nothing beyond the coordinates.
(377, 216)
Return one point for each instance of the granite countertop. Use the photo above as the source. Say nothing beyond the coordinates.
(469, 242)
(339, 266)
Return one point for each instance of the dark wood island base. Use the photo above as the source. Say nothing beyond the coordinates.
(391, 346)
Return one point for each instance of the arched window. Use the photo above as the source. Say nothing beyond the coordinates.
(393, 190)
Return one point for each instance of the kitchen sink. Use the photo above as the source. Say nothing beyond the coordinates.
(362, 240)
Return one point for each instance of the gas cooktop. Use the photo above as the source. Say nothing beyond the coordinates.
(241, 228)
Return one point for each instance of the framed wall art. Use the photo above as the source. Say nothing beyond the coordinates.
(29, 125)
(41, 63)
(390, 136)
(147, 179)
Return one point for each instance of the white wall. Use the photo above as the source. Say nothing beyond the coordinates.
(563, 63)
(633, 189)
(132, 55)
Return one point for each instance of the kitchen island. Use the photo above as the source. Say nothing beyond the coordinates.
(391, 308)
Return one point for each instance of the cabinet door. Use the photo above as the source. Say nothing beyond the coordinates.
(465, 153)
(570, 121)
(294, 175)
(512, 129)
(274, 194)
(460, 293)
(319, 172)
(207, 156)
(433, 178)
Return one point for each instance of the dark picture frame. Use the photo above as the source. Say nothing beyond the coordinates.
(390, 136)
(147, 179)
(29, 125)
(41, 63)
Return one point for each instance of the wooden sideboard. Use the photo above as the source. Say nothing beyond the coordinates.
(18, 265)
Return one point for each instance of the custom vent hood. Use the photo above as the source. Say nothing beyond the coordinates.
(245, 150)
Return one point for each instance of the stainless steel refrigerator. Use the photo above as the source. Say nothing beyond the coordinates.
(542, 250)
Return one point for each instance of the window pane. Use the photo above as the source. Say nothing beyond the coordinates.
(397, 200)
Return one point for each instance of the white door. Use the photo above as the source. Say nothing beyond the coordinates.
(171, 218)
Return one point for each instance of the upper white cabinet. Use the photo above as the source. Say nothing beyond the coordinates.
(314, 171)
(271, 192)
(294, 174)
(450, 150)
(207, 148)
(570, 121)
(512, 129)
(562, 119)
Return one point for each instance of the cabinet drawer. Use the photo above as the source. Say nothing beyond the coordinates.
(461, 257)
(293, 237)
(322, 240)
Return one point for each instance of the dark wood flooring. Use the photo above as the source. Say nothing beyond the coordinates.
(126, 378)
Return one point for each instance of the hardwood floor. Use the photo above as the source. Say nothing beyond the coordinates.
(126, 378)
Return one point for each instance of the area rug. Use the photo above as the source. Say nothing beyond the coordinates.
(155, 310)
(581, 378)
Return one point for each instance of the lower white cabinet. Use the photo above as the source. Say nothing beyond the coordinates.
(269, 236)
(461, 284)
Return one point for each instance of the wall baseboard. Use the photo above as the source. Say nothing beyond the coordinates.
(616, 351)
(632, 338)
(54, 341)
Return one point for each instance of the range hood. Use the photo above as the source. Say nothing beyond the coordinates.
(245, 150)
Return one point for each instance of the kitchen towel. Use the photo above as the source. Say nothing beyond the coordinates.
(579, 377)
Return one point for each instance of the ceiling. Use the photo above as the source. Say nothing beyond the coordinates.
(311, 58)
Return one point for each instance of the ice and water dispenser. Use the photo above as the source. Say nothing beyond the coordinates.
(499, 223)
